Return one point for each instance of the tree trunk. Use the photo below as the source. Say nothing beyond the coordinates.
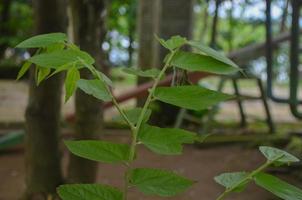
(284, 17)
(146, 29)
(174, 18)
(231, 26)
(213, 42)
(4, 28)
(204, 29)
(43, 169)
(89, 33)
(130, 48)
(131, 30)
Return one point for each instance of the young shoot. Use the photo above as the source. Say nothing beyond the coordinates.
(55, 54)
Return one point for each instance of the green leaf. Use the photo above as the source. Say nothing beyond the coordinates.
(214, 54)
(95, 88)
(167, 57)
(72, 77)
(55, 47)
(202, 138)
(173, 43)
(61, 57)
(99, 150)
(133, 115)
(42, 74)
(25, 67)
(150, 73)
(72, 46)
(232, 180)
(159, 182)
(101, 74)
(43, 40)
(190, 97)
(167, 141)
(61, 68)
(106, 79)
(272, 154)
(89, 192)
(198, 62)
(278, 187)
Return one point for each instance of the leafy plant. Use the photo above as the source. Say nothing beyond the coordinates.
(55, 54)
(237, 181)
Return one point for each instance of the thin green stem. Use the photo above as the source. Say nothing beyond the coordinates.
(114, 101)
(126, 184)
(146, 105)
(135, 130)
(131, 125)
(248, 178)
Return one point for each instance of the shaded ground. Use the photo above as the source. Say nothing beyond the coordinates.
(198, 164)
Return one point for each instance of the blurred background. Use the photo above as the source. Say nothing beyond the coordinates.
(261, 36)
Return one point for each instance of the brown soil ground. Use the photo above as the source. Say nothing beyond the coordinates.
(198, 164)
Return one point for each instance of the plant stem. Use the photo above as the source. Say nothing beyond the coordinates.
(131, 125)
(146, 105)
(248, 178)
(135, 130)
(126, 181)
(115, 103)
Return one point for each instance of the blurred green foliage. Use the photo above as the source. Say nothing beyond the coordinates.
(240, 23)
(122, 16)
(19, 24)
(121, 26)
